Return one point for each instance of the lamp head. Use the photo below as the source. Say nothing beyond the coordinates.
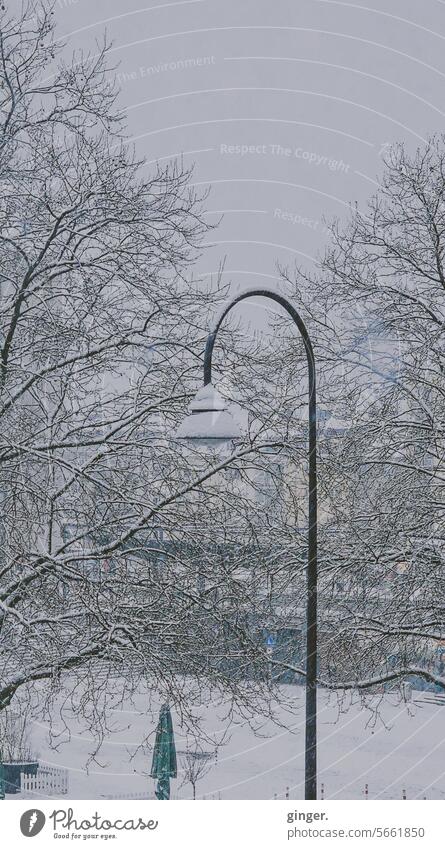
(208, 419)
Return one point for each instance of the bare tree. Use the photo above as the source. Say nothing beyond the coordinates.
(15, 734)
(195, 765)
(377, 311)
(104, 516)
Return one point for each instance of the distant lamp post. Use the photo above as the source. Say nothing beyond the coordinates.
(210, 422)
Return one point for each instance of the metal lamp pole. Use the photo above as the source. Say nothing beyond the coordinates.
(311, 616)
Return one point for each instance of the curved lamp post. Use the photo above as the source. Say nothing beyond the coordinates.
(209, 420)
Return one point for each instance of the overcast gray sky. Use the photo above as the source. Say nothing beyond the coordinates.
(284, 106)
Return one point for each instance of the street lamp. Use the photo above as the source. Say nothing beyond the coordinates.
(210, 421)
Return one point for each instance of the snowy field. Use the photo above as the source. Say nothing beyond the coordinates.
(404, 751)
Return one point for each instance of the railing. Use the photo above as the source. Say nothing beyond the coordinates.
(364, 794)
(129, 796)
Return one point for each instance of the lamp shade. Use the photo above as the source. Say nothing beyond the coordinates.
(209, 418)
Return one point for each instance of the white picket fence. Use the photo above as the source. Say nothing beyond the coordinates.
(49, 781)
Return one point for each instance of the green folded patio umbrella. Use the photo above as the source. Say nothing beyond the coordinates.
(164, 765)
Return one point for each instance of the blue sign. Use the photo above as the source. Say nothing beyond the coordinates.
(271, 641)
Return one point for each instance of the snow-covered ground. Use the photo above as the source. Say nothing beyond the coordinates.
(404, 752)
